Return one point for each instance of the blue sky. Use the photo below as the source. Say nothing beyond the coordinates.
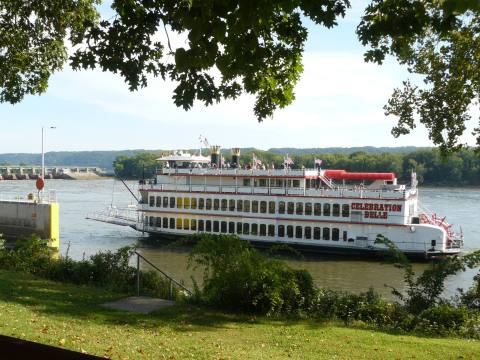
(338, 102)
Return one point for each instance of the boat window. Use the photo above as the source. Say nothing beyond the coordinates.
(158, 222)
(239, 205)
(345, 236)
(193, 203)
(246, 228)
(152, 201)
(271, 230)
(231, 227)
(208, 225)
(179, 224)
(299, 208)
(186, 203)
(165, 201)
(172, 223)
(223, 227)
(186, 224)
(179, 203)
(317, 209)
(216, 226)
(246, 182)
(165, 223)
(290, 207)
(200, 225)
(246, 206)
(150, 221)
(326, 234)
(308, 232)
(308, 209)
(290, 231)
(336, 210)
(263, 207)
(316, 233)
(335, 234)
(216, 204)
(279, 183)
(254, 207)
(356, 216)
(271, 207)
(345, 210)
(193, 224)
(239, 227)
(298, 232)
(263, 182)
(224, 204)
(159, 201)
(231, 205)
(296, 183)
(281, 207)
(254, 229)
(201, 203)
(326, 209)
(263, 230)
(281, 230)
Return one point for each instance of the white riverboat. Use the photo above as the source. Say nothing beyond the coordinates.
(331, 211)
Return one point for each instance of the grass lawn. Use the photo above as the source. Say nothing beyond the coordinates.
(70, 316)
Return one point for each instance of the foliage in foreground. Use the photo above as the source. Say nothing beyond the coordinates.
(238, 277)
(109, 270)
(61, 314)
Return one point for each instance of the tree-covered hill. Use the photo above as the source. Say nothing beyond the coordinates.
(105, 159)
(459, 169)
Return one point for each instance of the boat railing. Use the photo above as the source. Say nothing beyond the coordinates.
(125, 216)
(323, 192)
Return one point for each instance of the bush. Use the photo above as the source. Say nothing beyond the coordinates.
(238, 277)
(443, 319)
(109, 269)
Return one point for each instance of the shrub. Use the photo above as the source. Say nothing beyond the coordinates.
(443, 319)
(238, 277)
(109, 269)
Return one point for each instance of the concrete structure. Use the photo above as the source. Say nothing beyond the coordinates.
(17, 172)
(139, 304)
(25, 217)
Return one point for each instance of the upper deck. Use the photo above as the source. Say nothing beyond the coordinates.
(277, 182)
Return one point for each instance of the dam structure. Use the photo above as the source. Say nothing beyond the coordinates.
(20, 172)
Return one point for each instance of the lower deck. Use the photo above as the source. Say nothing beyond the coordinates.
(335, 237)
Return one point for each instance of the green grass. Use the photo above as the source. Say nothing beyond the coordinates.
(70, 316)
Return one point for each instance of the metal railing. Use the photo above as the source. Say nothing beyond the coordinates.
(338, 191)
(172, 281)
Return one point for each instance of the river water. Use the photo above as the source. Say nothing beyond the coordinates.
(84, 237)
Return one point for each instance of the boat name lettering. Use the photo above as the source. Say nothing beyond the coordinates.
(377, 207)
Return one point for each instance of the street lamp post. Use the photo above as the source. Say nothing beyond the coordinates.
(43, 152)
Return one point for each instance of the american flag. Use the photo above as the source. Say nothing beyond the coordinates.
(288, 160)
(256, 161)
(318, 162)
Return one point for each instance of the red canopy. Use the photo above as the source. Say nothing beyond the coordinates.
(344, 175)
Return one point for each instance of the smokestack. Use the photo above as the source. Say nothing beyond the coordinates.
(215, 156)
(235, 157)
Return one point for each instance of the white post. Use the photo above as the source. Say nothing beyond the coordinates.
(43, 152)
(43, 159)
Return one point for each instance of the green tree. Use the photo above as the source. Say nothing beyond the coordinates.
(256, 46)
(440, 41)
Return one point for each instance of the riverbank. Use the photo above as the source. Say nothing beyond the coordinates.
(71, 317)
